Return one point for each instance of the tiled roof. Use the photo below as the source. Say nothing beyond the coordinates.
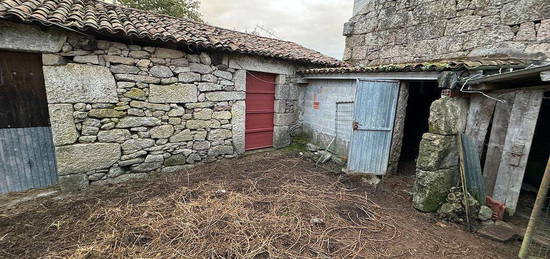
(99, 17)
(428, 66)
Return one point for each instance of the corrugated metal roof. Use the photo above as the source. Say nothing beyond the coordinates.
(429, 66)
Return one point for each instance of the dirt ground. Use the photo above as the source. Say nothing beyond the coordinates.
(260, 206)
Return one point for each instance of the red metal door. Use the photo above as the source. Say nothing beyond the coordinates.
(260, 101)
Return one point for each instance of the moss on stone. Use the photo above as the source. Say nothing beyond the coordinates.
(136, 93)
(175, 160)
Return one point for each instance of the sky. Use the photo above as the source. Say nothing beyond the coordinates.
(316, 24)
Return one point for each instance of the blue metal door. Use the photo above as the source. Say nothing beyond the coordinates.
(375, 105)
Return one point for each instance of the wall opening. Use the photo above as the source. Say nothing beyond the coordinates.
(421, 96)
(27, 158)
(536, 163)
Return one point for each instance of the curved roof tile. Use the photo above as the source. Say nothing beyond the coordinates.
(101, 17)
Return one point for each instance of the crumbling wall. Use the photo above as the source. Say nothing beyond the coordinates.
(398, 31)
(437, 164)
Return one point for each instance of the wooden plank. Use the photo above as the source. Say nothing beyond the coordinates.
(26, 159)
(22, 92)
(496, 140)
(479, 118)
(517, 146)
(545, 76)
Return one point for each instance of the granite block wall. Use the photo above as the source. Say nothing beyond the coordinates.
(399, 31)
(121, 111)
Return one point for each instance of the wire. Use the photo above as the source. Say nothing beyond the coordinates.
(478, 92)
(252, 75)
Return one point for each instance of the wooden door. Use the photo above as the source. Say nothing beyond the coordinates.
(260, 101)
(27, 158)
(375, 106)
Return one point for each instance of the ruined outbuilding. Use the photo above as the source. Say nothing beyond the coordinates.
(423, 73)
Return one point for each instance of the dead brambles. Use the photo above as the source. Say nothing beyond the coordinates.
(266, 205)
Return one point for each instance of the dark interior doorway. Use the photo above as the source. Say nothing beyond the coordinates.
(536, 164)
(421, 96)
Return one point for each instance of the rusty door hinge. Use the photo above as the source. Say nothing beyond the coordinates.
(355, 125)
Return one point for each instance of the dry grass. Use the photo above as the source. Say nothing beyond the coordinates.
(273, 206)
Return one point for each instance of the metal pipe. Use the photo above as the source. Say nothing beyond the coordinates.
(537, 209)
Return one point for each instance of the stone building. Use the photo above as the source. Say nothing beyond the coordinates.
(132, 92)
(425, 72)
(399, 31)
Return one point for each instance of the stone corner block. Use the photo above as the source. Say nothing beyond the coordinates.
(62, 123)
(281, 137)
(284, 119)
(448, 115)
(238, 114)
(240, 80)
(82, 158)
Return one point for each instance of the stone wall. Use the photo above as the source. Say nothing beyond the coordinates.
(397, 31)
(437, 164)
(121, 111)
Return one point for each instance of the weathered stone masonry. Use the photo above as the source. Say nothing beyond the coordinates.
(399, 31)
(121, 111)
(437, 164)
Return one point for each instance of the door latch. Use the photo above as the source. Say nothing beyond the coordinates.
(355, 125)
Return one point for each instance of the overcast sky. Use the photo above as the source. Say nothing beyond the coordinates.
(316, 24)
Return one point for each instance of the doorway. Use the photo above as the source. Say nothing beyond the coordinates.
(374, 118)
(536, 163)
(27, 157)
(421, 96)
(260, 110)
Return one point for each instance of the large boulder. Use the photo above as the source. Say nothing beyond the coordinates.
(437, 152)
(448, 116)
(82, 158)
(431, 188)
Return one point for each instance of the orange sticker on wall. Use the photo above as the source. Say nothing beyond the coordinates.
(316, 104)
